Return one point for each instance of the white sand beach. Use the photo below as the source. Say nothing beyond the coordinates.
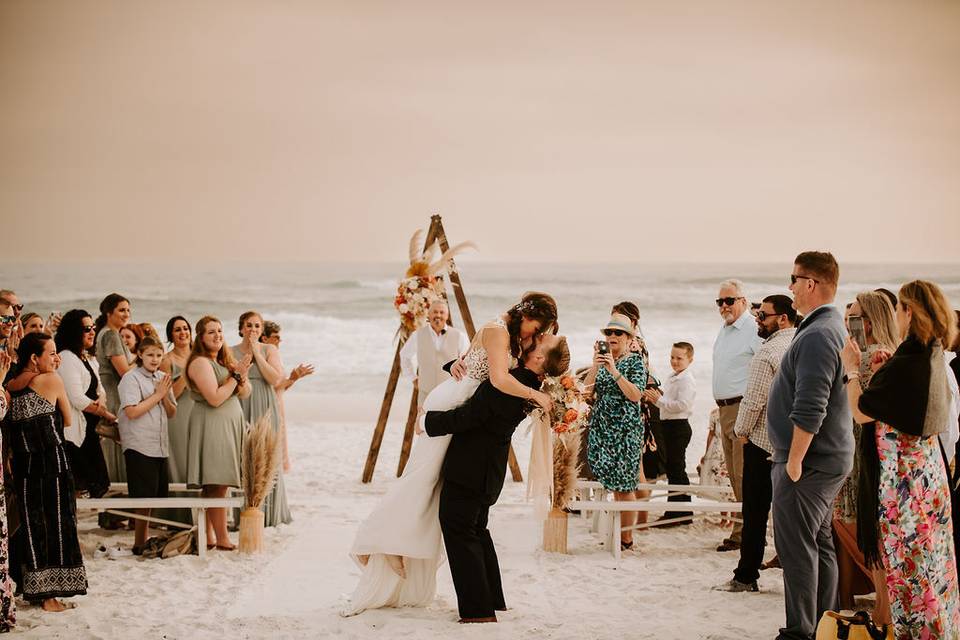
(296, 587)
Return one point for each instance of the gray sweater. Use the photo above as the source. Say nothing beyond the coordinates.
(808, 393)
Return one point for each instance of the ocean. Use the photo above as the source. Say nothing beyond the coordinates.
(340, 317)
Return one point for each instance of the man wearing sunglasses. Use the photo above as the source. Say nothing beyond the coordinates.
(775, 326)
(733, 350)
(808, 422)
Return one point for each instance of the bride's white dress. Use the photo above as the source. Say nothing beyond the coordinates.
(406, 522)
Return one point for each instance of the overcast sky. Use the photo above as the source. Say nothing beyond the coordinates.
(307, 130)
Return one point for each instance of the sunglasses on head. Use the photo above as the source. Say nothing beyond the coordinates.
(726, 301)
(794, 277)
(614, 332)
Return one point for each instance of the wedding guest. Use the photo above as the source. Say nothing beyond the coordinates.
(616, 424)
(775, 325)
(32, 322)
(271, 335)
(49, 557)
(81, 379)
(174, 364)
(146, 403)
(265, 373)
(649, 412)
(854, 576)
(735, 346)
(217, 383)
(429, 348)
(903, 478)
(711, 469)
(676, 406)
(9, 337)
(114, 359)
(8, 604)
(132, 334)
(808, 422)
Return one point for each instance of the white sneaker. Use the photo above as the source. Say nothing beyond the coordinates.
(100, 552)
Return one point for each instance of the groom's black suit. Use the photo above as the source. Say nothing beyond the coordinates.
(473, 474)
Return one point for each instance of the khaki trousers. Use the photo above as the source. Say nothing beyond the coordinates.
(733, 458)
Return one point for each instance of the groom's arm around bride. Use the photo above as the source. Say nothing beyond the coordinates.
(473, 473)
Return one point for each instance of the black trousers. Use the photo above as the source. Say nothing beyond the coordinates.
(470, 552)
(757, 493)
(676, 436)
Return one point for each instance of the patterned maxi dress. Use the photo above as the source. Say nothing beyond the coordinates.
(615, 440)
(8, 607)
(48, 547)
(916, 536)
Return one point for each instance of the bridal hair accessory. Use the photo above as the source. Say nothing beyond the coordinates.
(423, 283)
(525, 308)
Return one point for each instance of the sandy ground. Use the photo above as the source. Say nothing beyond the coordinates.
(296, 587)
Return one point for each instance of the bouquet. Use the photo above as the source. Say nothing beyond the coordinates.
(567, 419)
(423, 283)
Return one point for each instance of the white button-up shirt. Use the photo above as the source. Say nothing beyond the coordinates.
(679, 394)
(408, 354)
(732, 352)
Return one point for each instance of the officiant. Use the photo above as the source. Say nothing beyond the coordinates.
(429, 348)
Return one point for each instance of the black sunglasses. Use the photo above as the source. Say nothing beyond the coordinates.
(763, 315)
(794, 277)
(614, 332)
(8, 319)
(90, 329)
(726, 301)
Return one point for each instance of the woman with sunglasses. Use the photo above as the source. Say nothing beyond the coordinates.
(615, 440)
(80, 375)
(9, 336)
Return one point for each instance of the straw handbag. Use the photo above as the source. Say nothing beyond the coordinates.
(856, 627)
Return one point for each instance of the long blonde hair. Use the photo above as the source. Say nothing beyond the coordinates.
(876, 308)
(932, 318)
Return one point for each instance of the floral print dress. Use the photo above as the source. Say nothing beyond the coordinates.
(615, 440)
(916, 537)
(8, 607)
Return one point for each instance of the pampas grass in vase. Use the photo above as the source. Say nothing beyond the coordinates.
(566, 447)
(259, 464)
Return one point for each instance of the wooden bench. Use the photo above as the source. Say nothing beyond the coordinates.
(607, 514)
(118, 504)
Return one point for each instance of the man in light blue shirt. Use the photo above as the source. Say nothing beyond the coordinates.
(733, 350)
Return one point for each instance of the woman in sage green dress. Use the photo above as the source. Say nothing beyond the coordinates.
(114, 360)
(266, 371)
(180, 335)
(216, 427)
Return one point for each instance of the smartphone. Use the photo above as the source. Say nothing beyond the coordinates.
(602, 347)
(855, 323)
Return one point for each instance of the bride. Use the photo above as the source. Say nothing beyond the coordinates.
(398, 546)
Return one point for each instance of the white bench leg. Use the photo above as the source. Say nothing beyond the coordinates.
(202, 532)
(617, 525)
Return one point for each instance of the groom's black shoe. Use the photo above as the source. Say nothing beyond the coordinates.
(472, 620)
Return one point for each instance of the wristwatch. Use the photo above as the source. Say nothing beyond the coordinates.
(236, 376)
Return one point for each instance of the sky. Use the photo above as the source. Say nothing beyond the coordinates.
(294, 130)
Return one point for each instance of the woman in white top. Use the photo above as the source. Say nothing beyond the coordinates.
(87, 402)
(399, 545)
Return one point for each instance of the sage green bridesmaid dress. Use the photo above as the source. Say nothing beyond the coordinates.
(214, 438)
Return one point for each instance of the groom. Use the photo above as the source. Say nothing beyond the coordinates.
(473, 474)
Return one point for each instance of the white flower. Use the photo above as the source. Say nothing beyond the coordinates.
(403, 308)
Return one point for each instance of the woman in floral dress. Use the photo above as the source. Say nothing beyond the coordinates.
(8, 608)
(903, 479)
(615, 440)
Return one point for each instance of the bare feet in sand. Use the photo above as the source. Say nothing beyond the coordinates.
(397, 565)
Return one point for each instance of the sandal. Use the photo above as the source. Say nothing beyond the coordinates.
(225, 547)
(626, 546)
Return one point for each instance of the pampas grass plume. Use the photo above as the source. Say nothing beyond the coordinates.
(260, 461)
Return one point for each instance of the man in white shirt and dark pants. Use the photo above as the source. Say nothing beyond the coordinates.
(679, 391)
(429, 348)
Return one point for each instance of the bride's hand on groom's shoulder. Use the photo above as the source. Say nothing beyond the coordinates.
(418, 423)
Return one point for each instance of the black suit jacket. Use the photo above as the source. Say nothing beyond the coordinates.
(482, 428)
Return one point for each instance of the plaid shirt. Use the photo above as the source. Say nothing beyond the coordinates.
(752, 416)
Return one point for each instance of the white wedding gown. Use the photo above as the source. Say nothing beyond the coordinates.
(406, 522)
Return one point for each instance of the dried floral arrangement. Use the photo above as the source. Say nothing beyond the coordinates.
(260, 460)
(567, 419)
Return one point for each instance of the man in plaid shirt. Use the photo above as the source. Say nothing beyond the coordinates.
(776, 321)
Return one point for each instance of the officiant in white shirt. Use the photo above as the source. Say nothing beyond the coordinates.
(429, 348)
